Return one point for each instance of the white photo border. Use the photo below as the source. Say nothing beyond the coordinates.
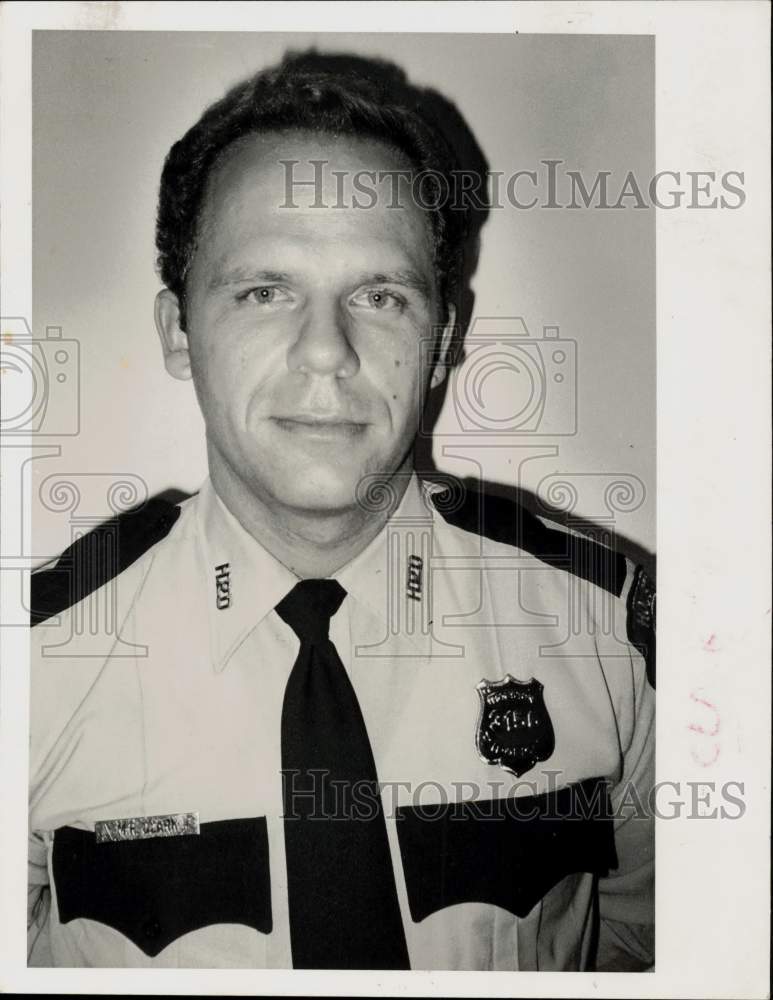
(713, 321)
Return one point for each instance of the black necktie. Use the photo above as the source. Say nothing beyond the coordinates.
(344, 912)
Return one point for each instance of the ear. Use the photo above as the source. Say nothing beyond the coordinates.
(174, 341)
(443, 349)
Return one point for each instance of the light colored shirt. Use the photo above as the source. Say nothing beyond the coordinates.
(161, 694)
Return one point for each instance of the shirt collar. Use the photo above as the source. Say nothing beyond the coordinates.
(245, 582)
(390, 576)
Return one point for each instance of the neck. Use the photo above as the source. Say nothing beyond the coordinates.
(311, 543)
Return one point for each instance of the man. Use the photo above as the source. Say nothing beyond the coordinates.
(345, 723)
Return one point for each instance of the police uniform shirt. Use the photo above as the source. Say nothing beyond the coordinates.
(159, 694)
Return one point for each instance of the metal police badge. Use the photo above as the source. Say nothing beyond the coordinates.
(514, 728)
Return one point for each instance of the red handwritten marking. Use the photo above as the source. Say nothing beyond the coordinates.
(696, 727)
(708, 645)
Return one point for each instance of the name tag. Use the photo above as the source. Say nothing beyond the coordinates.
(144, 827)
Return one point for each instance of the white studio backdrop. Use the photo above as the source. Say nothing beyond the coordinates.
(108, 104)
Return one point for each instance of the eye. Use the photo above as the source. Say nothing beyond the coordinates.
(380, 299)
(265, 295)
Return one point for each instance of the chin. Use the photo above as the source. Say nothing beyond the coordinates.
(314, 490)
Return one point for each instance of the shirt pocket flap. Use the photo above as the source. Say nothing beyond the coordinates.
(507, 852)
(157, 889)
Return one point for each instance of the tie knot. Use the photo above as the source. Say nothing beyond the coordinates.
(309, 606)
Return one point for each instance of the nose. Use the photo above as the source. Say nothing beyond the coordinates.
(322, 345)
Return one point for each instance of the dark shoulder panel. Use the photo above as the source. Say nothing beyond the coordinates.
(98, 556)
(506, 521)
(503, 520)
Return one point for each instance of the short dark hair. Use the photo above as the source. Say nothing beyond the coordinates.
(320, 93)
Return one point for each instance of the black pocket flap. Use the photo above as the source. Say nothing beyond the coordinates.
(158, 889)
(507, 852)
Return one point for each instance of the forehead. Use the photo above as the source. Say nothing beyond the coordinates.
(305, 194)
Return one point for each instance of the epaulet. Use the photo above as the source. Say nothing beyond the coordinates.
(99, 556)
(506, 521)
(503, 520)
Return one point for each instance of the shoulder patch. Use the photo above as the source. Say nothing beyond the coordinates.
(641, 619)
(506, 521)
(97, 557)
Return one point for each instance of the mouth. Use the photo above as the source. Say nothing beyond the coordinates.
(324, 428)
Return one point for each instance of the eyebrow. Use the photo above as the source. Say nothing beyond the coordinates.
(240, 275)
(408, 279)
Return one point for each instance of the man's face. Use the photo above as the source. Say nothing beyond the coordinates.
(305, 324)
